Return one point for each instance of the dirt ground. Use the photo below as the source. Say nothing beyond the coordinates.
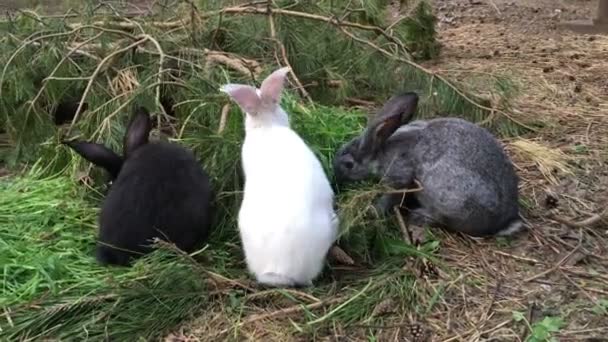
(556, 269)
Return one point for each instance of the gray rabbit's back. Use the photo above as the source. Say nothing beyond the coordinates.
(468, 181)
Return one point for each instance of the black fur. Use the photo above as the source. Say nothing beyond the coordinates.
(66, 111)
(160, 191)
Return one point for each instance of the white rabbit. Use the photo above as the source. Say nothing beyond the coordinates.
(286, 221)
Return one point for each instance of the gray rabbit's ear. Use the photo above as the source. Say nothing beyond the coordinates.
(403, 105)
(138, 131)
(377, 133)
(397, 111)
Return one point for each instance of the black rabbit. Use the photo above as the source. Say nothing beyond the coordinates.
(158, 190)
(468, 182)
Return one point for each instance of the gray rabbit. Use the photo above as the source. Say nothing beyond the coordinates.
(468, 183)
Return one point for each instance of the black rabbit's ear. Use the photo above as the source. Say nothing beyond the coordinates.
(97, 154)
(138, 131)
(398, 110)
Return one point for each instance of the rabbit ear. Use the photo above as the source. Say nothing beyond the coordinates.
(97, 154)
(377, 133)
(398, 110)
(272, 86)
(403, 105)
(137, 132)
(245, 96)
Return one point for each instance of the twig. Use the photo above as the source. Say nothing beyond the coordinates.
(122, 106)
(8, 317)
(593, 300)
(281, 46)
(94, 76)
(52, 74)
(406, 234)
(557, 266)
(593, 219)
(339, 307)
(280, 313)
(216, 277)
(27, 42)
(223, 118)
(433, 75)
(243, 65)
(236, 10)
(159, 78)
(132, 25)
(530, 260)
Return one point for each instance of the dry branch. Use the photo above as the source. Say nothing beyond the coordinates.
(592, 220)
(96, 72)
(402, 56)
(240, 10)
(281, 47)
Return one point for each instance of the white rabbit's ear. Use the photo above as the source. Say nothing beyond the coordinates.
(272, 86)
(245, 96)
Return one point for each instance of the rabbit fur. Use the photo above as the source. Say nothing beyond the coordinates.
(286, 220)
(468, 182)
(159, 190)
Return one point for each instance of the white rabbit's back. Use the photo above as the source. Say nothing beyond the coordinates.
(286, 214)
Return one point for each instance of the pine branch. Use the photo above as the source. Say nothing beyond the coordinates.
(281, 47)
(434, 75)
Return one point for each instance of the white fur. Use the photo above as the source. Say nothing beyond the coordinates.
(286, 221)
(513, 228)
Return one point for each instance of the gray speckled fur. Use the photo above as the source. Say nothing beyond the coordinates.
(469, 183)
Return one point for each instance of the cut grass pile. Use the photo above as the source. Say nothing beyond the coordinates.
(53, 288)
(51, 284)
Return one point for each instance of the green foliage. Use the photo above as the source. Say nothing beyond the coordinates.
(543, 330)
(601, 308)
(319, 52)
(48, 220)
(48, 227)
(47, 234)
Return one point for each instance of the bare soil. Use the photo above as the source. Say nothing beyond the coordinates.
(556, 269)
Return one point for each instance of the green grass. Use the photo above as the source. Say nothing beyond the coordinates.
(53, 287)
(51, 284)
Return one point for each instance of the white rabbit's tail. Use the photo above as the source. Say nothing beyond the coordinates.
(275, 279)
